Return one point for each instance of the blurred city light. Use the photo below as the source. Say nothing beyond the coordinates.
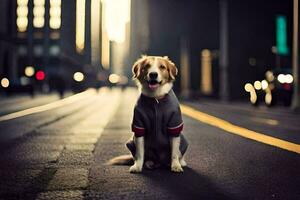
(80, 25)
(281, 78)
(248, 87)
(24, 80)
(29, 71)
(40, 75)
(4, 82)
(206, 72)
(268, 98)
(117, 16)
(38, 13)
(22, 15)
(264, 84)
(55, 14)
(257, 85)
(114, 78)
(269, 76)
(78, 76)
(285, 78)
(289, 78)
(281, 35)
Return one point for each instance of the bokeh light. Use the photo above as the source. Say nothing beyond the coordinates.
(5, 82)
(29, 71)
(264, 84)
(257, 85)
(114, 78)
(78, 76)
(40, 75)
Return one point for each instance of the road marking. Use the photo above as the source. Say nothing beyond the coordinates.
(271, 122)
(237, 130)
(48, 106)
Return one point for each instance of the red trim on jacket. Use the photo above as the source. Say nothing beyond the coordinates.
(175, 131)
(138, 131)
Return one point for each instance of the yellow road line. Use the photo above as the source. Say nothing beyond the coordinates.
(48, 106)
(237, 130)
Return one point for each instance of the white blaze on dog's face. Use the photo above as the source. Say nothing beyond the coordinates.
(155, 74)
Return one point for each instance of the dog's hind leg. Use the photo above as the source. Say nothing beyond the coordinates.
(139, 155)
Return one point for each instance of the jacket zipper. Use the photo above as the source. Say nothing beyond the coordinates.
(155, 111)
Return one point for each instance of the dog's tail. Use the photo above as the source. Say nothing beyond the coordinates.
(121, 160)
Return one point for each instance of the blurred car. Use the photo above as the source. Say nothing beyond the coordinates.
(276, 88)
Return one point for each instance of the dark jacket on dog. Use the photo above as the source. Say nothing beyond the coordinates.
(158, 120)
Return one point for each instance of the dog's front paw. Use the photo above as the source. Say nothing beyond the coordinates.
(176, 167)
(136, 168)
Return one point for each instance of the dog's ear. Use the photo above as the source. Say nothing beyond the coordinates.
(136, 68)
(173, 71)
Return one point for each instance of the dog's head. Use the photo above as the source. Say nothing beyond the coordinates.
(153, 72)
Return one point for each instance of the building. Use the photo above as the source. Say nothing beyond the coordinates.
(201, 36)
(218, 45)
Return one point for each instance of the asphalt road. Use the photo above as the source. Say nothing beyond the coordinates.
(59, 150)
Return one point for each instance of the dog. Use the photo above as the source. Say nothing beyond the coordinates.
(157, 122)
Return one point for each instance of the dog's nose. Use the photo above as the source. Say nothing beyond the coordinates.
(153, 75)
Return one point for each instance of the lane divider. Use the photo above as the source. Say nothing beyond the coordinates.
(237, 130)
(49, 106)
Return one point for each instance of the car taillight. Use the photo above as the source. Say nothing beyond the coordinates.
(287, 86)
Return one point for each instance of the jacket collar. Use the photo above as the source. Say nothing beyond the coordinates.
(152, 100)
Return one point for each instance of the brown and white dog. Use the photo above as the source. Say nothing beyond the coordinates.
(154, 76)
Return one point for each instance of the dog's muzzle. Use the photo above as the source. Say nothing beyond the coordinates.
(153, 83)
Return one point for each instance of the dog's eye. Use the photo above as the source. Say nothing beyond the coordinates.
(147, 66)
(162, 67)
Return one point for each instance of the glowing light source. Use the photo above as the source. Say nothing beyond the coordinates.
(22, 13)
(38, 13)
(268, 98)
(248, 87)
(40, 75)
(264, 84)
(270, 76)
(206, 72)
(5, 82)
(116, 23)
(29, 71)
(114, 78)
(257, 85)
(55, 14)
(289, 78)
(285, 78)
(78, 76)
(281, 78)
(80, 25)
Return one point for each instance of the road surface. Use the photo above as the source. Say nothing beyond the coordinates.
(58, 150)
